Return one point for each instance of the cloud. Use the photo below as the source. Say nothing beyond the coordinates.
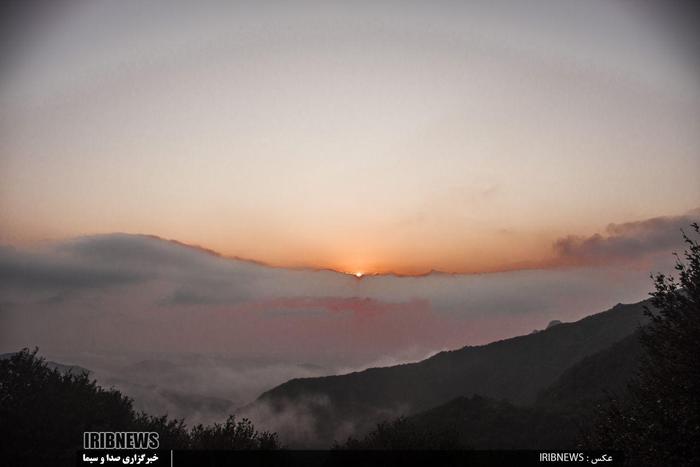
(32, 271)
(127, 298)
(631, 241)
(358, 306)
(101, 262)
(200, 388)
(299, 421)
(123, 249)
(134, 293)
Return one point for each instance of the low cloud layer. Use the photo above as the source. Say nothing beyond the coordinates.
(46, 270)
(67, 295)
(130, 298)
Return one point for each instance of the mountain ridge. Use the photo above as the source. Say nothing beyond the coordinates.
(515, 370)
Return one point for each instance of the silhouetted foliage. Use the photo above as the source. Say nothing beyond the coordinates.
(231, 435)
(658, 421)
(44, 412)
(404, 434)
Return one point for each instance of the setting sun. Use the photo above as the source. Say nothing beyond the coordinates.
(331, 230)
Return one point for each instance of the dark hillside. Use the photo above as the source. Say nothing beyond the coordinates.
(557, 419)
(514, 370)
(595, 377)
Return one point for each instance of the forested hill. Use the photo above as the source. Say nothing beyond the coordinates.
(515, 370)
(561, 413)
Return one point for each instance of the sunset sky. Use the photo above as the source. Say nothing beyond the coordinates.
(511, 163)
(364, 137)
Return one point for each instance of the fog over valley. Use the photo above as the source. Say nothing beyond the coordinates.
(193, 334)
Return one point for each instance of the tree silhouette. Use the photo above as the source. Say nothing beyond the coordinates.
(232, 435)
(657, 422)
(44, 412)
(403, 434)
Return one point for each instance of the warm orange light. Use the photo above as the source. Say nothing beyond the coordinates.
(359, 274)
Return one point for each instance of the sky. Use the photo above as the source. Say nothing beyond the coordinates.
(207, 199)
(363, 137)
